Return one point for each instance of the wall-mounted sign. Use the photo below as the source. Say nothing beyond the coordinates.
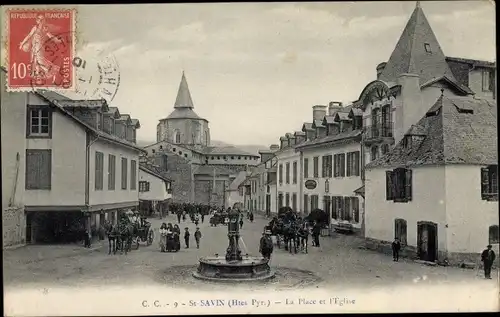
(310, 184)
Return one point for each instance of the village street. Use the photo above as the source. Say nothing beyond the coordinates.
(337, 262)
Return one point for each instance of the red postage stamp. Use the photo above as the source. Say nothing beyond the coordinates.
(41, 47)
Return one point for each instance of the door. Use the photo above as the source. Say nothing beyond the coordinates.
(29, 226)
(427, 241)
(268, 204)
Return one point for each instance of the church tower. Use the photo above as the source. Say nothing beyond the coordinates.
(183, 125)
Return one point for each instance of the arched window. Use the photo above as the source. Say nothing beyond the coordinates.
(400, 230)
(207, 141)
(177, 137)
(494, 235)
(385, 149)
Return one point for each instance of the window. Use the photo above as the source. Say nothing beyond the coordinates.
(489, 183)
(355, 208)
(38, 169)
(399, 185)
(486, 80)
(294, 202)
(99, 171)
(339, 165)
(357, 122)
(353, 163)
(493, 234)
(124, 173)
(337, 205)
(316, 166)
(164, 162)
(294, 173)
(280, 200)
(143, 186)
(111, 172)
(385, 148)
(400, 230)
(306, 204)
(427, 47)
(306, 168)
(240, 189)
(314, 202)
(287, 199)
(327, 169)
(133, 175)
(327, 207)
(39, 122)
(374, 153)
(177, 136)
(287, 173)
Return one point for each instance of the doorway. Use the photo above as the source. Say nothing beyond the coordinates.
(268, 204)
(427, 237)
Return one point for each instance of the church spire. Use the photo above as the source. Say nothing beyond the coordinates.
(417, 52)
(183, 99)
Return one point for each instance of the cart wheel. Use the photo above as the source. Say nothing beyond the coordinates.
(151, 237)
(136, 247)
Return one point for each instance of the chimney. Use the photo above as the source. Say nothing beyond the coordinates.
(319, 112)
(283, 142)
(274, 147)
(333, 107)
(380, 69)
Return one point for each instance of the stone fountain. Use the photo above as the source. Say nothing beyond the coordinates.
(234, 267)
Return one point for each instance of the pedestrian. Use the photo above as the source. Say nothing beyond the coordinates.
(186, 237)
(241, 221)
(202, 217)
(87, 239)
(488, 258)
(251, 216)
(396, 246)
(316, 232)
(197, 237)
(179, 217)
(184, 216)
(196, 219)
(266, 245)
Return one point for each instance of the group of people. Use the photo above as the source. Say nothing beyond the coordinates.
(170, 237)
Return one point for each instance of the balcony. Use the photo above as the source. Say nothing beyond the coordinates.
(377, 133)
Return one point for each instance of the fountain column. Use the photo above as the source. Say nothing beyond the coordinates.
(233, 252)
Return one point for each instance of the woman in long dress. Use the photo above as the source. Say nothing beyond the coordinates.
(41, 67)
(163, 237)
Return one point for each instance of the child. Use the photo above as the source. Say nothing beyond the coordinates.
(186, 237)
(241, 221)
(197, 237)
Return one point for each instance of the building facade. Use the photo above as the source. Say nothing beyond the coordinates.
(13, 164)
(155, 190)
(288, 167)
(80, 168)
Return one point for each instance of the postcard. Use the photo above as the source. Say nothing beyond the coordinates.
(249, 158)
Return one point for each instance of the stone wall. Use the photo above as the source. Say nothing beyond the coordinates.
(180, 172)
(13, 226)
(203, 192)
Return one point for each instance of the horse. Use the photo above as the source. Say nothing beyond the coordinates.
(125, 236)
(290, 235)
(112, 233)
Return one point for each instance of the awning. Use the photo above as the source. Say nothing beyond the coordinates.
(360, 191)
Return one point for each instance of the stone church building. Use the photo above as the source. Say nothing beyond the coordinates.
(201, 173)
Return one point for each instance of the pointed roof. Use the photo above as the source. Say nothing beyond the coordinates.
(417, 52)
(183, 99)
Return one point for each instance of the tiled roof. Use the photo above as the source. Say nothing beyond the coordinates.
(332, 138)
(136, 123)
(227, 150)
(209, 170)
(53, 98)
(183, 99)
(235, 184)
(453, 135)
(464, 90)
(472, 62)
(410, 55)
(329, 120)
(184, 113)
(151, 169)
(89, 104)
(342, 116)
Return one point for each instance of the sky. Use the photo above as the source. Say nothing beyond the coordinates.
(256, 69)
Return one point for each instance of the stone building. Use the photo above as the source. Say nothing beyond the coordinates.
(201, 173)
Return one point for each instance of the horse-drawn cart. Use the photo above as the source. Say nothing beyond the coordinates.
(145, 233)
(218, 219)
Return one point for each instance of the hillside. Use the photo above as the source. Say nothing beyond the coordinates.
(250, 148)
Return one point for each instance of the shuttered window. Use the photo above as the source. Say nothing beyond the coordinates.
(493, 234)
(280, 201)
(38, 169)
(294, 202)
(280, 173)
(489, 183)
(287, 199)
(111, 172)
(400, 228)
(294, 173)
(399, 185)
(306, 168)
(316, 166)
(353, 164)
(346, 210)
(314, 202)
(355, 208)
(287, 173)
(99, 171)
(133, 174)
(306, 204)
(124, 173)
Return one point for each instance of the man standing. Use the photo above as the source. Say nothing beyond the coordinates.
(186, 237)
(197, 237)
(396, 246)
(316, 232)
(266, 245)
(488, 257)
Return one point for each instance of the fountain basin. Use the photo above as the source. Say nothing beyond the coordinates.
(248, 269)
